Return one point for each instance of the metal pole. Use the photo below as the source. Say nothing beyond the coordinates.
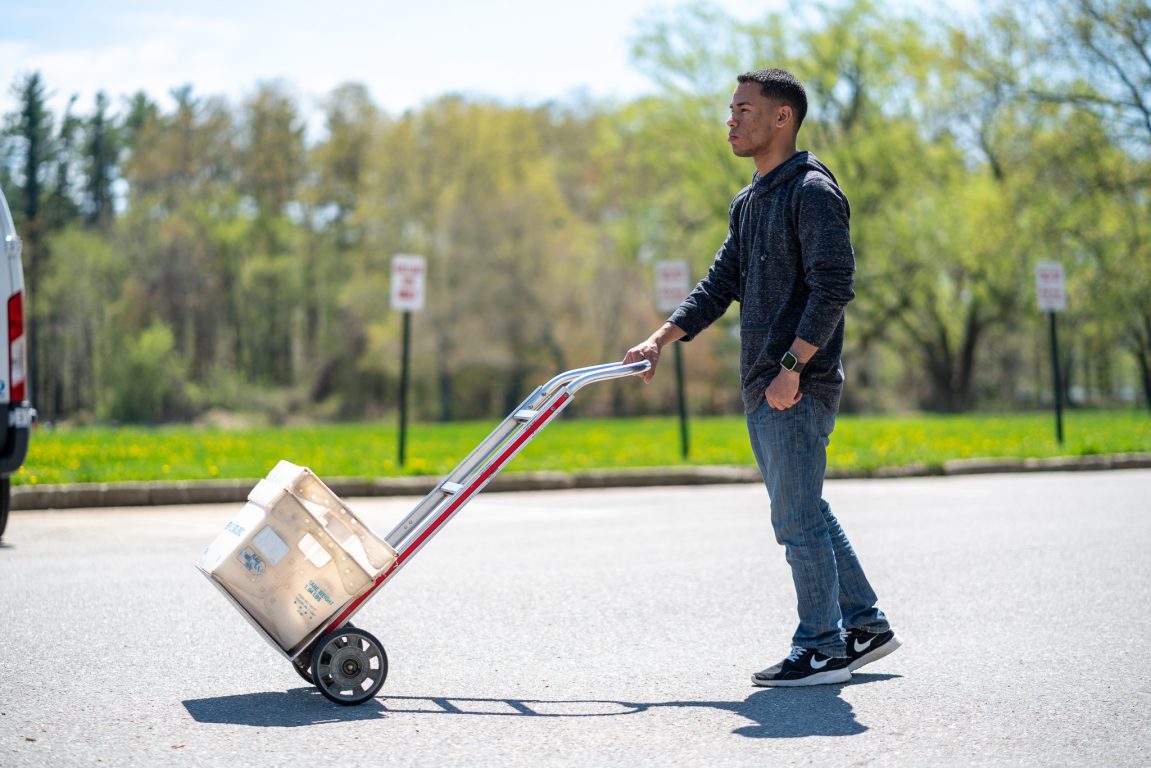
(683, 441)
(1057, 378)
(404, 385)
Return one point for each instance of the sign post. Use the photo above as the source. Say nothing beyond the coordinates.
(1051, 290)
(672, 283)
(409, 275)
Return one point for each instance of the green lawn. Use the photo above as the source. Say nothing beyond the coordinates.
(89, 455)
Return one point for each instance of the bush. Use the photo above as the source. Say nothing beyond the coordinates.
(148, 381)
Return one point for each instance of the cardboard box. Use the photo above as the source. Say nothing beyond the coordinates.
(294, 556)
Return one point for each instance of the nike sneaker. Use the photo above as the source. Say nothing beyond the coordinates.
(804, 666)
(865, 647)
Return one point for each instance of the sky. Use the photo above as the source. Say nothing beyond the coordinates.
(406, 52)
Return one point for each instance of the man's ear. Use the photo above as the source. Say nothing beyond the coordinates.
(783, 115)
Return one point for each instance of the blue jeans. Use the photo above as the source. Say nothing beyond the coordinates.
(831, 590)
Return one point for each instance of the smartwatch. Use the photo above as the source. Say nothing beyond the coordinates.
(790, 362)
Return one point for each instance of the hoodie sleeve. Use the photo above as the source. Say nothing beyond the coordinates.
(714, 293)
(828, 258)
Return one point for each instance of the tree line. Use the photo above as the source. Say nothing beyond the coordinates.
(206, 257)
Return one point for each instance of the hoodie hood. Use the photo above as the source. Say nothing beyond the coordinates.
(800, 162)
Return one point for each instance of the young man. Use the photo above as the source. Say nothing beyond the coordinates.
(788, 261)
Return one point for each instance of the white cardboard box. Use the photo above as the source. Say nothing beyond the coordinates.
(294, 556)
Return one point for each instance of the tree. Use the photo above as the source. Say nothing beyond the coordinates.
(181, 232)
(270, 149)
(336, 169)
(492, 222)
(188, 153)
(101, 152)
(81, 285)
(1110, 73)
(1092, 60)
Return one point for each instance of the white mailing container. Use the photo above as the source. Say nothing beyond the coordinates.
(294, 556)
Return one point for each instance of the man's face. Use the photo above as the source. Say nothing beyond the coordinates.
(756, 122)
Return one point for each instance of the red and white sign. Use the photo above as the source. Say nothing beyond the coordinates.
(1050, 287)
(409, 274)
(672, 284)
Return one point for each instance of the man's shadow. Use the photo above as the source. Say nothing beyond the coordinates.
(775, 713)
(797, 712)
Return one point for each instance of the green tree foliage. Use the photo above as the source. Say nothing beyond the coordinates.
(101, 157)
(495, 227)
(38, 156)
(195, 254)
(79, 349)
(1112, 41)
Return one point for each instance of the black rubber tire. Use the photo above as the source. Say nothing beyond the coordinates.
(349, 666)
(5, 502)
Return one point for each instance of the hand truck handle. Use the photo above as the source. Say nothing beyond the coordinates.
(474, 472)
(581, 377)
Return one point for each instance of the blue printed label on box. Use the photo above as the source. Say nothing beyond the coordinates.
(317, 592)
(251, 561)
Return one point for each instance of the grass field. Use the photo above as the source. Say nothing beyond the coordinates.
(88, 455)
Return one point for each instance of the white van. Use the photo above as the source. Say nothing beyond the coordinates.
(16, 410)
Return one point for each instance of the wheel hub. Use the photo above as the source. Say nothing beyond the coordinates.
(348, 667)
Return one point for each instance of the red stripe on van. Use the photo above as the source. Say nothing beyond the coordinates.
(17, 350)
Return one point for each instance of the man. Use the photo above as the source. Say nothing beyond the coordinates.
(788, 261)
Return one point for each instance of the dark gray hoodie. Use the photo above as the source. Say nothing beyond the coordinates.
(788, 261)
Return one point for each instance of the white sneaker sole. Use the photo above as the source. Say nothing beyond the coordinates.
(819, 678)
(876, 653)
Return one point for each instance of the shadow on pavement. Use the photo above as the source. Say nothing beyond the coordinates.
(775, 713)
(280, 709)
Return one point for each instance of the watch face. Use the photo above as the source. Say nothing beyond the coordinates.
(788, 361)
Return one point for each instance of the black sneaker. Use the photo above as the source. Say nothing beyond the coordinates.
(804, 667)
(865, 647)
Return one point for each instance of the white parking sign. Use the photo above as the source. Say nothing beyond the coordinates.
(672, 284)
(1050, 287)
(409, 274)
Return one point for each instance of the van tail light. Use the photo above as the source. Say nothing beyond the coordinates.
(17, 349)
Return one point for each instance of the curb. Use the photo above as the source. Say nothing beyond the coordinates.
(158, 493)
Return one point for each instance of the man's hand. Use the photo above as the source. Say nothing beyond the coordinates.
(650, 349)
(783, 391)
(647, 351)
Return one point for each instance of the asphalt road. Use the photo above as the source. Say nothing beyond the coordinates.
(606, 628)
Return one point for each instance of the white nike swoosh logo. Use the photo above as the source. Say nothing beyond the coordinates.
(861, 647)
(818, 664)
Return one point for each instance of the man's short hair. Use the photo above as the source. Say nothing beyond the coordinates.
(780, 85)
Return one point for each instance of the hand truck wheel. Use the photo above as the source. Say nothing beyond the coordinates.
(349, 665)
(303, 663)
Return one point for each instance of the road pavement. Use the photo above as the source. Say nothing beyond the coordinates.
(606, 628)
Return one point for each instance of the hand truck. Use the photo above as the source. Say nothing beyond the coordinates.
(299, 564)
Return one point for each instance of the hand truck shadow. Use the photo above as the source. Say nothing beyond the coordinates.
(773, 712)
(279, 709)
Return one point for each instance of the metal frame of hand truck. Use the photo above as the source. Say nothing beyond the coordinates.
(334, 658)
